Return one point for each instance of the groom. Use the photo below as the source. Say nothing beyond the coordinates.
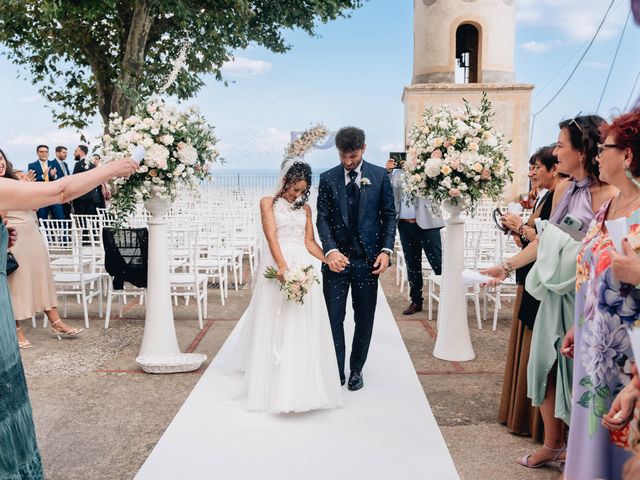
(357, 226)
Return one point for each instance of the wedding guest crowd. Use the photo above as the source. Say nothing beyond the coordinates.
(582, 291)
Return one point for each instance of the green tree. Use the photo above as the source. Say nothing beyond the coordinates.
(104, 55)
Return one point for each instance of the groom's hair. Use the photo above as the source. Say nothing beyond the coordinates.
(349, 139)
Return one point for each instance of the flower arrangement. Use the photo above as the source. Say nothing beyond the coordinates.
(297, 281)
(305, 142)
(179, 150)
(457, 156)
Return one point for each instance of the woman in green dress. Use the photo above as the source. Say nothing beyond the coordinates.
(19, 456)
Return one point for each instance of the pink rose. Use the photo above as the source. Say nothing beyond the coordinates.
(455, 164)
(447, 144)
(436, 154)
(455, 192)
(485, 175)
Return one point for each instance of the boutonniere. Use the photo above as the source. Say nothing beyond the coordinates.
(364, 182)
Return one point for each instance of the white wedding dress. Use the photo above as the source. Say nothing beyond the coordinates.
(285, 348)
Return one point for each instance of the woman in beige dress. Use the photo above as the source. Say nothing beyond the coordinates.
(31, 285)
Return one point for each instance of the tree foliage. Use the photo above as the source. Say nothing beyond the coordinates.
(104, 55)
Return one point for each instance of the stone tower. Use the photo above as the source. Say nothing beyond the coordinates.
(462, 48)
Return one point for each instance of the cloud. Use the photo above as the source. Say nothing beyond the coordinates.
(391, 147)
(575, 20)
(31, 99)
(538, 47)
(272, 141)
(596, 65)
(53, 138)
(242, 67)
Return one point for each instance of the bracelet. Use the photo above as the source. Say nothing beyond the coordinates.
(521, 230)
(507, 267)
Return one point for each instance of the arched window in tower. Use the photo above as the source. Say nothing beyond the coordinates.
(467, 49)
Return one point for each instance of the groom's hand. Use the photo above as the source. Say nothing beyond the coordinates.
(382, 263)
(337, 261)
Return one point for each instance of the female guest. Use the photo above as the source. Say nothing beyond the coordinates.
(603, 304)
(548, 372)
(31, 285)
(516, 411)
(19, 456)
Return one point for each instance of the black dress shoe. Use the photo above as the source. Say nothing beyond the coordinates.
(356, 381)
(413, 308)
(342, 381)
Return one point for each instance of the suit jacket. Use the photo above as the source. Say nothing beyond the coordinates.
(376, 211)
(35, 166)
(92, 195)
(425, 218)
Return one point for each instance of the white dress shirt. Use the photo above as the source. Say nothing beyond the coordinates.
(347, 179)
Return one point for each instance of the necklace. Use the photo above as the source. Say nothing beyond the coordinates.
(635, 199)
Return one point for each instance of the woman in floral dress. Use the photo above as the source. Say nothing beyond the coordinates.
(598, 341)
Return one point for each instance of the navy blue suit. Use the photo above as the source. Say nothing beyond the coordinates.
(56, 210)
(361, 241)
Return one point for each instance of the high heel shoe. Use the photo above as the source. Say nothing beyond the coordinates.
(68, 334)
(23, 345)
(524, 461)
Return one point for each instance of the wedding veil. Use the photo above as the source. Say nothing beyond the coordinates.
(284, 168)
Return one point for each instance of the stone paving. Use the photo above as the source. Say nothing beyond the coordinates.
(98, 416)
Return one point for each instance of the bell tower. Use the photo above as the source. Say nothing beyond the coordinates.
(460, 49)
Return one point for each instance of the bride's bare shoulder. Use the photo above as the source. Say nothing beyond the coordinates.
(266, 202)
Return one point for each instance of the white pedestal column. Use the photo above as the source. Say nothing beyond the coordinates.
(159, 330)
(453, 342)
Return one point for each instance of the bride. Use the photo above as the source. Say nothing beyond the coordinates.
(285, 348)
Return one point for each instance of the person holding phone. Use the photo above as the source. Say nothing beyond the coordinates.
(419, 229)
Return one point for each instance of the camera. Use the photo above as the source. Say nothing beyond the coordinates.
(399, 158)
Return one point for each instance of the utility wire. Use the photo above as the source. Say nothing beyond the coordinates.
(613, 61)
(633, 89)
(537, 93)
(584, 54)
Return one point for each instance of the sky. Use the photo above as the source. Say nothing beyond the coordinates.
(353, 73)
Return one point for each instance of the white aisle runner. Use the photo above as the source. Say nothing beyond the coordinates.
(384, 431)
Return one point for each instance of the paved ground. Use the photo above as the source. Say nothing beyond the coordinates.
(98, 416)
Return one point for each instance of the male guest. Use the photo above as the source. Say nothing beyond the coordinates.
(90, 201)
(419, 230)
(61, 157)
(46, 170)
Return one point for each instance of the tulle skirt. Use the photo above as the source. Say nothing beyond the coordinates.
(285, 348)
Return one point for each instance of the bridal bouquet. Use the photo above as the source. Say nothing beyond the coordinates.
(179, 149)
(297, 282)
(457, 156)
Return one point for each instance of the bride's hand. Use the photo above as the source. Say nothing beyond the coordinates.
(281, 272)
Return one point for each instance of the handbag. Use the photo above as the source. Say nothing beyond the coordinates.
(12, 263)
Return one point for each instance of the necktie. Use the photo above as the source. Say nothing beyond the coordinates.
(353, 197)
(45, 171)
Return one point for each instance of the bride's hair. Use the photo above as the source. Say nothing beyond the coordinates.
(297, 172)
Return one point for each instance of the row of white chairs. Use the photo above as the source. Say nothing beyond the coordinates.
(484, 246)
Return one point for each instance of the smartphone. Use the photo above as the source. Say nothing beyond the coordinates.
(571, 222)
(399, 158)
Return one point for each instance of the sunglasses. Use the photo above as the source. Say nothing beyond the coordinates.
(603, 146)
(573, 122)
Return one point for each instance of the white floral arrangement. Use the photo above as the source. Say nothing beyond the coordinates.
(179, 151)
(297, 281)
(457, 156)
(305, 142)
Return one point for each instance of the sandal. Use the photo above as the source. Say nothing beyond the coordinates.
(23, 345)
(524, 461)
(61, 334)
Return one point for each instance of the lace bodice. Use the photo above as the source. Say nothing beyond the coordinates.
(290, 223)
